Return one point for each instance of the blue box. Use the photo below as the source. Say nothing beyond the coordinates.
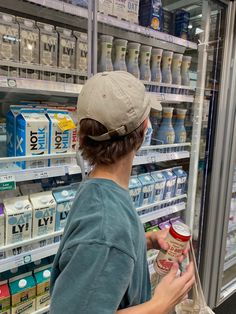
(135, 188)
(181, 181)
(170, 184)
(147, 188)
(159, 186)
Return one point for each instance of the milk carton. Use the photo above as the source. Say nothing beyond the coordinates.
(105, 6)
(147, 188)
(44, 213)
(66, 59)
(9, 43)
(120, 9)
(48, 49)
(42, 288)
(23, 293)
(2, 226)
(64, 198)
(32, 132)
(29, 46)
(60, 141)
(170, 184)
(5, 299)
(18, 219)
(181, 181)
(135, 188)
(81, 52)
(133, 9)
(159, 186)
(11, 130)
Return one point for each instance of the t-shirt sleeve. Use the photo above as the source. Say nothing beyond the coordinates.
(93, 280)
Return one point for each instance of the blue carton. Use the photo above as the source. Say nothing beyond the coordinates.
(11, 130)
(135, 188)
(181, 181)
(64, 198)
(170, 184)
(147, 188)
(151, 14)
(159, 186)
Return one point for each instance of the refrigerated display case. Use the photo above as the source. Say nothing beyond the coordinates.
(193, 29)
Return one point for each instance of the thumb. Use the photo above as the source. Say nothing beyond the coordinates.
(174, 270)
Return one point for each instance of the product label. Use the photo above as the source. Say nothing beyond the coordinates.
(49, 48)
(44, 221)
(43, 295)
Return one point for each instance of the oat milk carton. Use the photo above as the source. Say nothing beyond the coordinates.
(11, 130)
(5, 299)
(120, 9)
(133, 9)
(81, 52)
(181, 181)
(9, 43)
(67, 50)
(135, 188)
(147, 188)
(170, 184)
(60, 141)
(32, 134)
(2, 226)
(105, 6)
(29, 46)
(159, 186)
(48, 42)
(64, 198)
(44, 213)
(23, 293)
(42, 279)
(18, 219)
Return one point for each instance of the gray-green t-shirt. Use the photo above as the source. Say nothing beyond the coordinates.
(101, 264)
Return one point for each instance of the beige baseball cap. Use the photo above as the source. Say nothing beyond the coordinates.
(117, 100)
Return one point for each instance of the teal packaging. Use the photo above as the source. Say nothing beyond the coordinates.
(181, 181)
(147, 188)
(159, 186)
(42, 288)
(135, 188)
(170, 184)
(64, 198)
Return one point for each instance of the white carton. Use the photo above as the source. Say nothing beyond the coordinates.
(60, 142)
(18, 212)
(32, 132)
(120, 9)
(44, 213)
(105, 6)
(81, 52)
(133, 9)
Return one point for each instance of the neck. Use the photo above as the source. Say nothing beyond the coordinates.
(118, 172)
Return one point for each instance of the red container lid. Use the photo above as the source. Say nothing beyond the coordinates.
(180, 231)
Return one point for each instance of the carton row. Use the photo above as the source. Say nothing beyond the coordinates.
(34, 214)
(39, 131)
(26, 289)
(156, 186)
(34, 43)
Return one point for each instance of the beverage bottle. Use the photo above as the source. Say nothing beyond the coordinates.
(132, 58)
(156, 75)
(186, 61)
(105, 63)
(176, 73)
(120, 46)
(145, 57)
(180, 131)
(166, 68)
(166, 133)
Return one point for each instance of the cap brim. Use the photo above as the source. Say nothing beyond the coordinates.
(154, 102)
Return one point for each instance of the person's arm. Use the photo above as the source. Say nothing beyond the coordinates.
(171, 291)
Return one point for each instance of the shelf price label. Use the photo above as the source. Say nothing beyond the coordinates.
(7, 182)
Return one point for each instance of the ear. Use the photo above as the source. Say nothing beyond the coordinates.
(145, 125)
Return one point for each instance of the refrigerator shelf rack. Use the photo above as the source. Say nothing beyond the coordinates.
(42, 311)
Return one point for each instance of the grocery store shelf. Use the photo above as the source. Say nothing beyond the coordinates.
(162, 203)
(165, 211)
(31, 241)
(232, 228)
(160, 153)
(28, 257)
(171, 98)
(42, 311)
(230, 262)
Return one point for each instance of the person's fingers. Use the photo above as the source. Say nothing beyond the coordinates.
(188, 274)
(173, 271)
(189, 284)
(163, 244)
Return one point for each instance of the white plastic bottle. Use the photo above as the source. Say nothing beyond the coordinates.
(105, 63)
(120, 46)
(133, 50)
(186, 62)
(145, 57)
(166, 68)
(176, 70)
(156, 75)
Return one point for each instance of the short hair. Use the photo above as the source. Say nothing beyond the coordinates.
(109, 151)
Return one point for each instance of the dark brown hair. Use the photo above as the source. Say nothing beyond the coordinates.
(106, 152)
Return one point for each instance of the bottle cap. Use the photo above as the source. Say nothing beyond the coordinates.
(22, 283)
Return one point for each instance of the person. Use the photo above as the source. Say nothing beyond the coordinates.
(101, 265)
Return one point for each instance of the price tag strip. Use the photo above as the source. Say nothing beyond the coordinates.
(7, 182)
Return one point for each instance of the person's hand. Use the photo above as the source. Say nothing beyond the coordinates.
(156, 240)
(172, 289)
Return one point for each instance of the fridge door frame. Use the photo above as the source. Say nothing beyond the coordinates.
(213, 238)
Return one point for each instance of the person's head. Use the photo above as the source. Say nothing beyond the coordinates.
(113, 111)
